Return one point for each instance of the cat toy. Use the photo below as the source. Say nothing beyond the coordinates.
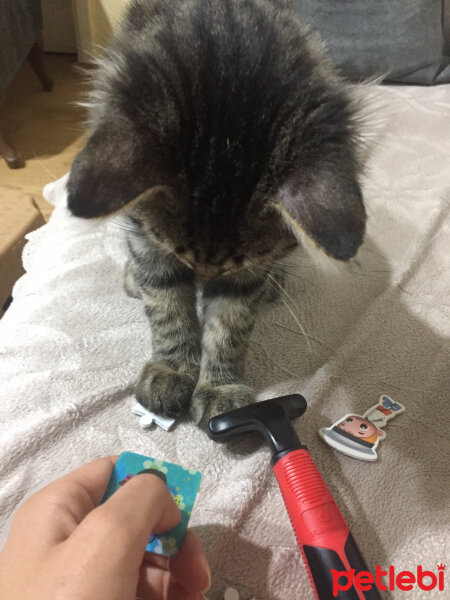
(148, 418)
(182, 484)
(358, 436)
(323, 536)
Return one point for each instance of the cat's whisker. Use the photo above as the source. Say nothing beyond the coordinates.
(285, 272)
(302, 330)
(281, 288)
(298, 261)
(124, 224)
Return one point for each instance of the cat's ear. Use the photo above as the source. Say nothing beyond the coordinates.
(328, 208)
(108, 174)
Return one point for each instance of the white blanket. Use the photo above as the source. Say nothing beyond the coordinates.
(72, 344)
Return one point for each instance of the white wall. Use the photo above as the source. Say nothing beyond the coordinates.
(94, 23)
(59, 28)
(104, 14)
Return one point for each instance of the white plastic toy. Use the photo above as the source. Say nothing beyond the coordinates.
(358, 436)
(148, 417)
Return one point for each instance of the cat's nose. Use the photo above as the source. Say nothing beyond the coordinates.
(208, 271)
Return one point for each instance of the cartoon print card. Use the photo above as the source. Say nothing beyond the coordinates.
(359, 436)
(182, 483)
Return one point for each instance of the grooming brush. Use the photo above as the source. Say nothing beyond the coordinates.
(322, 534)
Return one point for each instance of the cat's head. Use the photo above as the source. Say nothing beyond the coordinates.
(212, 243)
(223, 173)
(216, 234)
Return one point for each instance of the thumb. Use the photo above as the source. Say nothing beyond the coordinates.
(121, 526)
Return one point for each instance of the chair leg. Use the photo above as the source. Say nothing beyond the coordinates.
(36, 59)
(7, 150)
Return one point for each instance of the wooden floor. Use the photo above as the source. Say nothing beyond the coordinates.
(46, 128)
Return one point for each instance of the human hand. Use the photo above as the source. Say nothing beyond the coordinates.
(63, 546)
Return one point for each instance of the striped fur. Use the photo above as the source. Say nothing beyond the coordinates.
(220, 129)
(189, 361)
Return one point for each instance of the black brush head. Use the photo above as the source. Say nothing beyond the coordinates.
(270, 417)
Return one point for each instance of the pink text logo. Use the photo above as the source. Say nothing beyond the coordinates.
(404, 580)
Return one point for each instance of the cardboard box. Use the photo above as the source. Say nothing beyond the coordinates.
(19, 214)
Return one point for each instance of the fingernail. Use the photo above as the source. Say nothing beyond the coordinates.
(156, 472)
(207, 569)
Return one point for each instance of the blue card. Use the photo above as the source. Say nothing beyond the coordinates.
(182, 483)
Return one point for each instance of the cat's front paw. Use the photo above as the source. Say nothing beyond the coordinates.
(209, 400)
(130, 285)
(163, 390)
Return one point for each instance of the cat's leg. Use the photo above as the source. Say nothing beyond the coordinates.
(167, 382)
(231, 306)
(130, 284)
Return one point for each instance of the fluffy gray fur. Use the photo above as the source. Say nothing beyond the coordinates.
(227, 137)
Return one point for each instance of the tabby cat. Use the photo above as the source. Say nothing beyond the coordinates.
(225, 137)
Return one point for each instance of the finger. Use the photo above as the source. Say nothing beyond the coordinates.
(189, 567)
(120, 528)
(56, 510)
(157, 584)
(157, 560)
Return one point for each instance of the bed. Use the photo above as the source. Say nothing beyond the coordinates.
(72, 344)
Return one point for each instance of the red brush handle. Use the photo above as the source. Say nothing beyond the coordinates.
(322, 534)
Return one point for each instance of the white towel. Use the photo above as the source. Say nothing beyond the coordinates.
(72, 344)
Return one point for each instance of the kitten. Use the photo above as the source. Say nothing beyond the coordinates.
(227, 137)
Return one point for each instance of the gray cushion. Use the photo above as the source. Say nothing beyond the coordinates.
(401, 40)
